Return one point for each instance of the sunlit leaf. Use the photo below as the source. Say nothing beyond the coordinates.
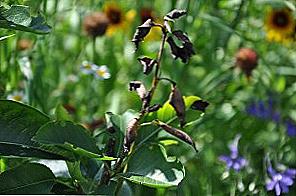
(151, 167)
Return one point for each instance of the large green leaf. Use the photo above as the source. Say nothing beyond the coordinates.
(65, 137)
(151, 167)
(18, 17)
(18, 124)
(30, 178)
(18, 14)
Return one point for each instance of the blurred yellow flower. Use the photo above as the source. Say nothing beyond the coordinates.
(117, 18)
(280, 25)
(155, 33)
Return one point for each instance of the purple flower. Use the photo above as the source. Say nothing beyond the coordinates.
(234, 160)
(280, 181)
(291, 128)
(263, 110)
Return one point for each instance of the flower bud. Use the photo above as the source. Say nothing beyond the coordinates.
(246, 60)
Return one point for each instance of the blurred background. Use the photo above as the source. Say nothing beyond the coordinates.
(244, 66)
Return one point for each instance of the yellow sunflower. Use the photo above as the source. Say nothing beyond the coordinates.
(118, 20)
(280, 25)
(155, 33)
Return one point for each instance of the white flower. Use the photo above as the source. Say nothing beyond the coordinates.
(16, 96)
(102, 72)
(88, 67)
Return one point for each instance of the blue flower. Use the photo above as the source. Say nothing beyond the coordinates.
(291, 128)
(234, 160)
(263, 110)
(280, 181)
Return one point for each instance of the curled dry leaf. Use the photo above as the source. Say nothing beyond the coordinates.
(153, 108)
(177, 133)
(138, 87)
(142, 31)
(131, 133)
(174, 14)
(200, 105)
(177, 101)
(184, 52)
(147, 63)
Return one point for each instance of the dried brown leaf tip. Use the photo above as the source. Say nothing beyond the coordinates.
(177, 101)
(138, 87)
(131, 134)
(147, 63)
(174, 14)
(142, 31)
(177, 133)
(185, 51)
(200, 105)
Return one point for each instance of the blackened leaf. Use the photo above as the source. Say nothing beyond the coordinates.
(184, 52)
(181, 36)
(147, 63)
(138, 87)
(131, 133)
(199, 105)
(175, 50)
(174, 14)
(176, 100)
(142, 31)
(177, 133)
(154, 108)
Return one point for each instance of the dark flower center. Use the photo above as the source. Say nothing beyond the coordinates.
(114, 14)
(146, 14)
(281, 19)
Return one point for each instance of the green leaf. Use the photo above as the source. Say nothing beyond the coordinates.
(30, 178)
(151, 167)
(18, 14)
(167, 112)
(119, 123)
(61, 134)
(17, 17)
(18, 124)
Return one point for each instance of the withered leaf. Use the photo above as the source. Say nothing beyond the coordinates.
(177, 101)
(199, 105)
(138, 87)
(142, 31)
(147, 63)
(174, 14)
(131, 134)
(184, 52)
(177, 133)
(153, 108)
(181, 36)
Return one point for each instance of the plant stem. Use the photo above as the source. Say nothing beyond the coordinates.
(119, 167)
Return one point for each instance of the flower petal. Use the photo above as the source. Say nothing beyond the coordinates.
(286, 180)
(270, 185)
(277, 189)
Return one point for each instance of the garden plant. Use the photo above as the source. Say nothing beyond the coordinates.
(123, 97)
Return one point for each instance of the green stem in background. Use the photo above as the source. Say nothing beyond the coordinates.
(44, 7)
(234, 23)
(94, 54)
